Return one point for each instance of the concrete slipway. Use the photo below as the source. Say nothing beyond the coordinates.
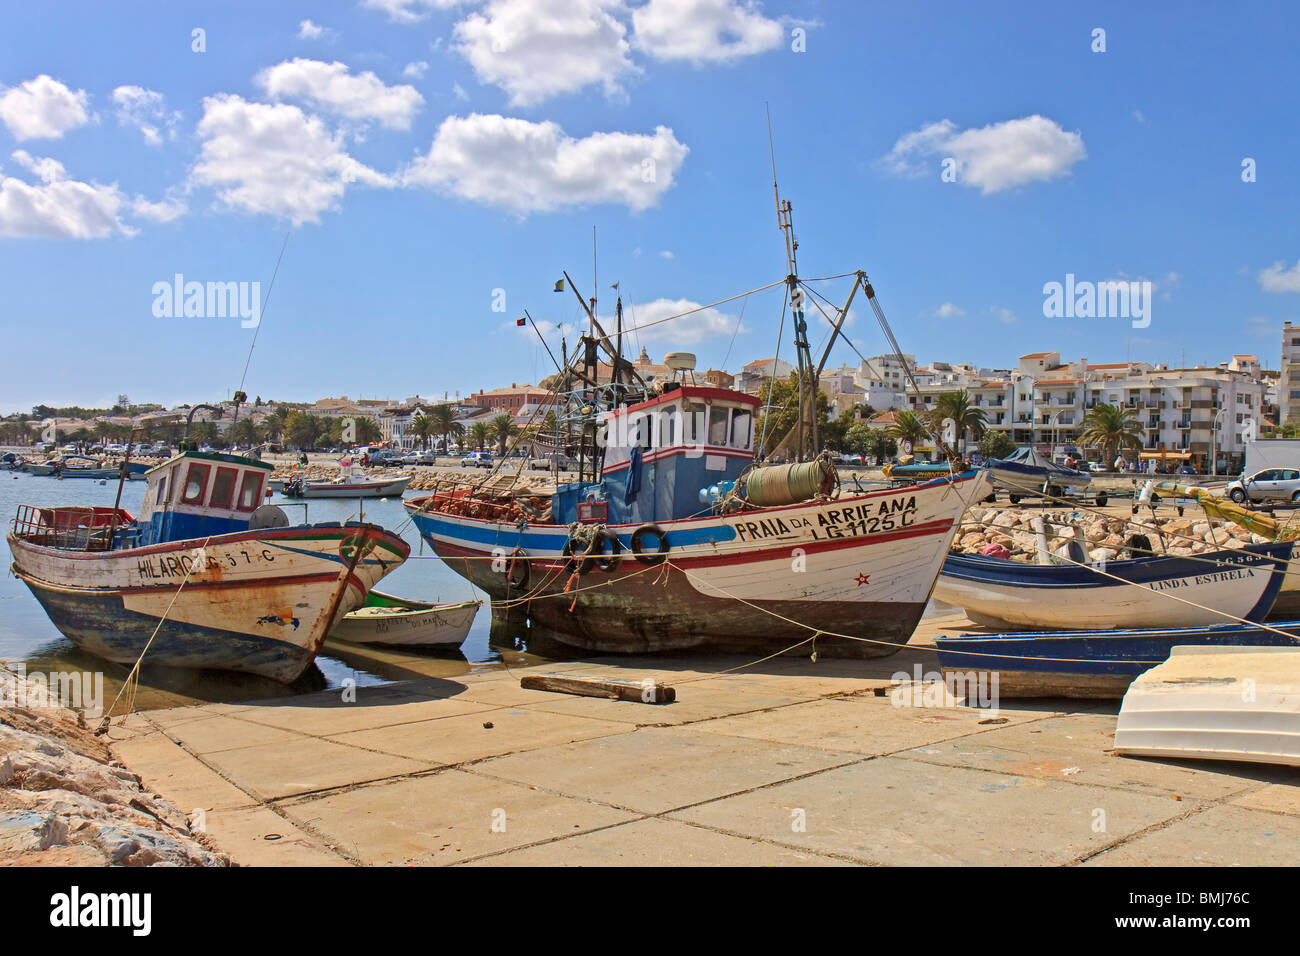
(791, 762)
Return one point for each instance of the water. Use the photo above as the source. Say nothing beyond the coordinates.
(28, 637)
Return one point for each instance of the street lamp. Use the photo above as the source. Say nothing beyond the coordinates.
(1214, 442)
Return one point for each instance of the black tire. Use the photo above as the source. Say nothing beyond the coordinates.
(638, 536)
(1138, 546)
(1055, 491)
(1014, 499)
(991, 499)
(1101, 501)
(1238, 496)
(518, 571)
(610, 563)
(581, 565)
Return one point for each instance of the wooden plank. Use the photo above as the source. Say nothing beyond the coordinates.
(648, 691)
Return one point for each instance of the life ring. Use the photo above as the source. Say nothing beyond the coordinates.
(611, 562)
(517, 570)
(639, 535)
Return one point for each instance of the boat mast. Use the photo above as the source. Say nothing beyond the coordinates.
(803, 357)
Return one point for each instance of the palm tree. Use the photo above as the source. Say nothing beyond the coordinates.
(422, 426)
(502, 428)
(1111, 427)
(907, 427)
(443, 420)
(957, 406)
(274, 423)
(479, 434)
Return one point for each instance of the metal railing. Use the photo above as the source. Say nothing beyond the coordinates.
(69, 528)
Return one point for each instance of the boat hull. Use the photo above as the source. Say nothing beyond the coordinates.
(425, 625)
(854, 573)
(1085, 664)
(370, 489)
(997, 592)
(259, 602)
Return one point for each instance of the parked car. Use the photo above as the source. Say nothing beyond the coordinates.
(1188, 470)
(1096, 466)
(1271, 484)
(476, 459)
(544, 462)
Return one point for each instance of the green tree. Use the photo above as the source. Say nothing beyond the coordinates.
(422, 426)
(444, 421)
(908, 427)
(958, 406)
(502, 429)
(479, 433)
(996, 444)
(244, 432)
(781, 413)
(1111, 427)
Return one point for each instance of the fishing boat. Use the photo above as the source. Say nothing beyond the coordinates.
(1026, 472)
(1159, 591)
(386, 619)
(1087, 664)
(352, 482)
(40, 468)
(205, 577)
(1216, 703)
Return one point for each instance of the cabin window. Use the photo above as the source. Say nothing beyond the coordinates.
(718, 421)
(693, 419)
(741, 426)
(223, 488)
(646, 433)
(250, 492)
(195, 481)
(162, 492)
(668, 427)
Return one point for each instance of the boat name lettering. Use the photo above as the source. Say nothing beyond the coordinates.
(179, 565)
(1216, 577)
(890, 515)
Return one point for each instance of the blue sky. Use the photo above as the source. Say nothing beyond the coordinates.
(424, 154)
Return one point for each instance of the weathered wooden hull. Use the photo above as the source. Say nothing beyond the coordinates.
(259, 602)
(859, 567)
(424, 625)
(1086, 664)
(1000, 593)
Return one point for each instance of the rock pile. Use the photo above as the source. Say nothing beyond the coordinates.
(1102, 538)
(64, 801)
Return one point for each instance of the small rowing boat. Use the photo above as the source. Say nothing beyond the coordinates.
(385, 619)
(1159, 591)
(1089, 664)
(1216, 703)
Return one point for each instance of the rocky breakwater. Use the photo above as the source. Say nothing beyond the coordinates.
(1102, 538)
(64, 800)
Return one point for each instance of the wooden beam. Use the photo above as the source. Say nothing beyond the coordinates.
(648, 691)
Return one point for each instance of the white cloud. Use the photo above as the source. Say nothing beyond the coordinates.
(530, 167)
(146, 110)
(995, 157)
(274, 159)
(1278, 278)
(667, 254)
(705, 31)
(58, 208)
(415, 71)
(459, 91)
(687, 330)
(409, 11)
(949, 311)
(42, 108)
(165, 210)
(331, 87)
(536, 49)
(312, 31)
(1002, 314)
(1139, 116)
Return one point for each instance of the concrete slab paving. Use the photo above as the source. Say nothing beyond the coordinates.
(366, 713)
(444, 818)
(905, 813)
(656, 769)
(453, 740)
(1276, 797)
(1078, 747)
(278, 770)
(860, 725)
(1220, 836)
(656, 841)
(218, 733)
(261, 837)
(165, 767)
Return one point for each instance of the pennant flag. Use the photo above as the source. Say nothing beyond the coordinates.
(559, 285)
(521, 321)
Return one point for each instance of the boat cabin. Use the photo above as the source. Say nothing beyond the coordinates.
(660, 454)
(197, 494)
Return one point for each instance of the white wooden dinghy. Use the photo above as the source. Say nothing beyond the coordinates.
(385, 619)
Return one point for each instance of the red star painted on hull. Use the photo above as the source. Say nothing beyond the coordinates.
(862, 579)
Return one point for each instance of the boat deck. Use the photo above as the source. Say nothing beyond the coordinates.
(787, 762)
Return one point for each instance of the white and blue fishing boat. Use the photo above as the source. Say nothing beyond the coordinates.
(1026, 472)
(205, 577)
(1158, 591)
(1088, 664)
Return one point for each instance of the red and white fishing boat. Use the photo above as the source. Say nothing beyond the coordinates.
(352, 482)
(204, 577)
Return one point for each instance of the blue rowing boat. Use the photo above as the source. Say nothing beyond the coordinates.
(1090, 664)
